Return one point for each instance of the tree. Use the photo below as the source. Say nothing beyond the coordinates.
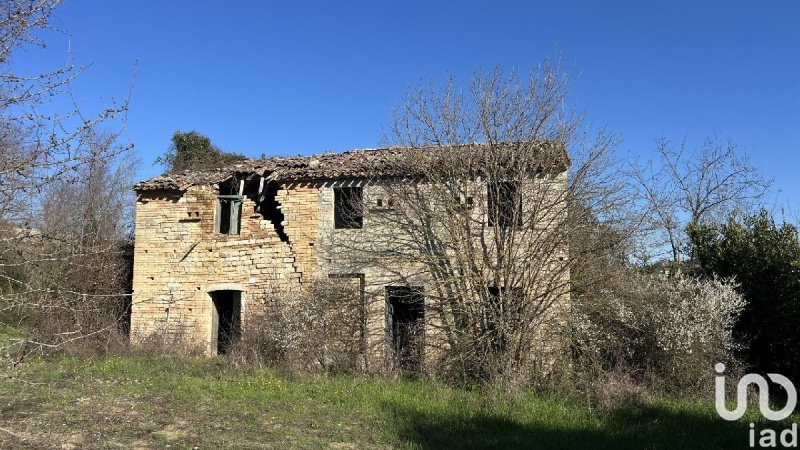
(764, 258)
(192, 149)
(48, 160)
(691, 186)
(487, 226)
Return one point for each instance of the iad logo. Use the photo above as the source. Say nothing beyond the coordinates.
(763, 395)
(768, 438)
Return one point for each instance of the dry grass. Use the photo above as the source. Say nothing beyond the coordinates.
(152, 402)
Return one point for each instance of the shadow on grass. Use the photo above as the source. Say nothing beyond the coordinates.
(649, 427)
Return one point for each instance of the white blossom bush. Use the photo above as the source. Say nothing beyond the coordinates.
(666, 331)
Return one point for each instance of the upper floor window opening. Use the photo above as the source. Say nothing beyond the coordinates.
(504, 204)
(348, 208)
(228, 216)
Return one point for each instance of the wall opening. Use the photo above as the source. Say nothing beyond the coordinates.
(227, 217)
(348, 208)
(226, 320)
(504, 312)
(270, 209)
(349, 293)
(405, 320)
(504, 204)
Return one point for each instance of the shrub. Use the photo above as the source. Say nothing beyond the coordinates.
(763, 256)
(317, 329)
(666, 332)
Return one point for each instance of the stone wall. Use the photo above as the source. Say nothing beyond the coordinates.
(359, 251)
(300, 204)
(180, 260)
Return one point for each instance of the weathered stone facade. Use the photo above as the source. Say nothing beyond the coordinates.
(181, 259)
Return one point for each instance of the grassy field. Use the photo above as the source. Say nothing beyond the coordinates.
(149, 402)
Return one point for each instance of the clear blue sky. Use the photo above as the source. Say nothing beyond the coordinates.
(301, 77)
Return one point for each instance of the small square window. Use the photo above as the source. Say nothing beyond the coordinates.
(465, 202)
(383, 203)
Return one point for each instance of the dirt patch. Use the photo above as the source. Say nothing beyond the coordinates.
(73, 441)
(175, 431)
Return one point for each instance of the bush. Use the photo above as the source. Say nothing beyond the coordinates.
(76, 307)
(615, 390)
(62, 325)
(317, 329)
(763, 256)
(666, 332)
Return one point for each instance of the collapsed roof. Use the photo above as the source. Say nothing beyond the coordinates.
(354, 164)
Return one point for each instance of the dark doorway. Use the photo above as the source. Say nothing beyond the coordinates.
(405, 316)
(226, 322)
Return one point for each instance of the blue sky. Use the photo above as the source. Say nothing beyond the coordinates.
(304, 77)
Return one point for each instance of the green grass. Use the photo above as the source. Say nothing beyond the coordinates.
(7, 334)
(153, 402)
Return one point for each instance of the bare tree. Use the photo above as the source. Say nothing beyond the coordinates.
(61, 190)
(483, 217)
(686, 186)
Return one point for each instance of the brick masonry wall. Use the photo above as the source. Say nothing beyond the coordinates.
(179, 260)
(300, 204)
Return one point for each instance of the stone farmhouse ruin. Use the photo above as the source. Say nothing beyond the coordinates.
(212, 244)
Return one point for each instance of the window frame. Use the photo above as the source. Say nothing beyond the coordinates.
(234, 217)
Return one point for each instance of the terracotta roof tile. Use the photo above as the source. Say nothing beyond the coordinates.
(365, 163)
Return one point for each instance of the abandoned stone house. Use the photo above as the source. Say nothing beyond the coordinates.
(212, 244)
